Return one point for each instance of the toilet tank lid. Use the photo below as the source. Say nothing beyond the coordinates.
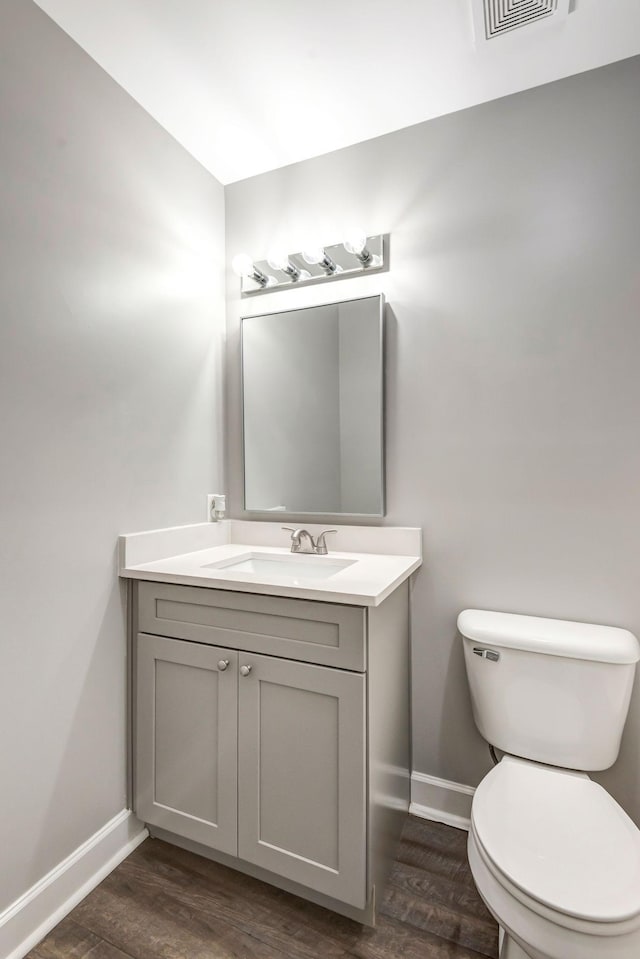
(553, 637)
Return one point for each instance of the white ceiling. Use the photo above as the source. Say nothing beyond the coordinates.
(251, 85)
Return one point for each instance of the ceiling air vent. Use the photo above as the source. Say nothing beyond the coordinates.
(494, 18)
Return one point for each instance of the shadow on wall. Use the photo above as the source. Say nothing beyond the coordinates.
(457, 702)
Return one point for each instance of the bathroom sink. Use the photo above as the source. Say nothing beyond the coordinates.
(295, 567)
(250, 557)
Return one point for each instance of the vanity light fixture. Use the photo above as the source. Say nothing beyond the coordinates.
(314, 254)
(355, 242)
(242, 265)
(357, 255)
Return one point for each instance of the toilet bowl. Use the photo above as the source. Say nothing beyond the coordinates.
(554, 857)
(557, 862)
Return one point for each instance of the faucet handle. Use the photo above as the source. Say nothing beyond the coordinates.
(295, 538)
(321, 546)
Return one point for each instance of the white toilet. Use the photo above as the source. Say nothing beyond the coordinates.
(554, 857)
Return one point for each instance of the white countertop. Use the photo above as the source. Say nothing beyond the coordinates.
(381, 559)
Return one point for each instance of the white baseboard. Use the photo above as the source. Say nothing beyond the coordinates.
(34, 914)
(441, 800)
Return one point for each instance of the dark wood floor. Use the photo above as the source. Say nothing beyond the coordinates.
(165, 903)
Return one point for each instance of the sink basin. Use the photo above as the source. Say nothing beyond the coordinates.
(296, 567)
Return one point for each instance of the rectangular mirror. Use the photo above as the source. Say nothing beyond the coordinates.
(312, 390)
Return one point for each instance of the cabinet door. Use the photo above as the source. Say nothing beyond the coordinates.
(301, 774)
(186, 740)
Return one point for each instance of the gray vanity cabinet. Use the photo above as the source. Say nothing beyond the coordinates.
(272, 734)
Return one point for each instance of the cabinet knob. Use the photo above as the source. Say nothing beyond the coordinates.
(222, 664)
(245, 670)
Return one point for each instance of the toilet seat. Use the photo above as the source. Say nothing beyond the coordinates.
(543, 933)
(561, 843)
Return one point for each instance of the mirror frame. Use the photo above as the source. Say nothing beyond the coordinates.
(287, 514)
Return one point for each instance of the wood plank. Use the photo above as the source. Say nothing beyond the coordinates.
(392, 938)
(441, 907)
(281, 920)
(165, 929)
(155, 920)
(71, 941)
(431, 887)
(436, 848)
(434, 836)
(425, 886)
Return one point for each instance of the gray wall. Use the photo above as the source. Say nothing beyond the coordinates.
(513, 386)
(111, 326)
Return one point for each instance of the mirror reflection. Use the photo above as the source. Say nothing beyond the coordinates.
(313, 409)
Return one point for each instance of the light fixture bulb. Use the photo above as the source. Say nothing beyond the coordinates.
(277, 258)
(242, 265)
(355, 241)
(313, 253)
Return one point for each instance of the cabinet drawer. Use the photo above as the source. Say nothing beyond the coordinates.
(325, 633)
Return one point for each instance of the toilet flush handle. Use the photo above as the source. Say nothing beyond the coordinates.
(487, 653)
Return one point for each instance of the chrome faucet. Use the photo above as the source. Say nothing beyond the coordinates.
(317, 546)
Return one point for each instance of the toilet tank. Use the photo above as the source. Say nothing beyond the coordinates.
(549, 690)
